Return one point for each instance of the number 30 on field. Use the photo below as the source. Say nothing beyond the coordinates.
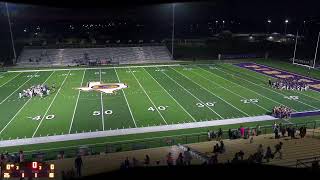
(48, 117)
(98, 113)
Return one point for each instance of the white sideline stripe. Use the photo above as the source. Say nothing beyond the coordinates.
(229, 89)
(193, 95)
(148, 96)
(119, 132)
(102, 108)
(171, 96)
(125, 97)
(276, 92)
(18, 88)
(22, 107)
(10, 80)
(50, 104)
(75, 107)
(213, 93)
(120, 67)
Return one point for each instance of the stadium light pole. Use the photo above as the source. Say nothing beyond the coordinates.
(11, 35)
(172, 37)
(217, 26)
(268, 26)
(315, 55)
(285, 27)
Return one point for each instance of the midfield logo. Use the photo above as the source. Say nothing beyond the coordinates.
(107, 88)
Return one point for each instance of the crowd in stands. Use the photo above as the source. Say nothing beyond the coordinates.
(38, 90)
(289, 84)
(281, 112)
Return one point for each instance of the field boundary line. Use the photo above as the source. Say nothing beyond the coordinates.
(34, 133)
(76, 105)
(102, 105)
(22, 107)
(148, 96)
(75, 69)
(10, 79)
(125, 97)
(171, 96)
(140, 130)
(19, 87)
(212, 93)
(230, 90)
(193, 95)
(272, 90)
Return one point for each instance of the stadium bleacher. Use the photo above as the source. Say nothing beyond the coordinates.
(78, 56)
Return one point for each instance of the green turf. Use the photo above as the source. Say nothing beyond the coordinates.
(155, 96)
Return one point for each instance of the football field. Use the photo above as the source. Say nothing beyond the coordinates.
(156, 96)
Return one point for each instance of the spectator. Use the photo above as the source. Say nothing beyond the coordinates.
(230, 134)
(127, 163)
(268, 154)
(213, 159)
(278, 148)
(209, 135)
(260, 149)
(282, 130)
(258, 129)
(169, 159)
(241, 154)
(21, 157)
(187, 157)
(179, 160)
(78, 165)
(293, 133)
(220, 133)
(147, 160)
(241, 129)
(221, 148)
(251, 140)
(216, 148)
(135, 162)
(276, 133)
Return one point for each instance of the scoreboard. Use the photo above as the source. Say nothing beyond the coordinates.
(28, 170)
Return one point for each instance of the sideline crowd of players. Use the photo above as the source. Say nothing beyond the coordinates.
(38, 90)
(281, 112)
(289, 84)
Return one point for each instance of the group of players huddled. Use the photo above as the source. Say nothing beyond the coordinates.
(281, 112)
(289, 84)
(38, 90)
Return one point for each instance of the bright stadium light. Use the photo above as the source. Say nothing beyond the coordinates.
(285, 26)
(269, 21)
(286, 21)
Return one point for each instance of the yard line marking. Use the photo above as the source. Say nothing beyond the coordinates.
(51, 104)
(212, 93)
(271, 90)
(75, 107)
(18, 88)
(148, 96)
(170, 95)
(101, 101)
(125, 97)
(229, 90)
(193, 95)
(245, 87)
(22, 108)
(10, 80)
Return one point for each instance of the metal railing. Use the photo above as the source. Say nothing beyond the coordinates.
(130, 145)
(307, 162)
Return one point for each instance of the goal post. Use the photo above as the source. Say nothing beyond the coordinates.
(303, 55)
